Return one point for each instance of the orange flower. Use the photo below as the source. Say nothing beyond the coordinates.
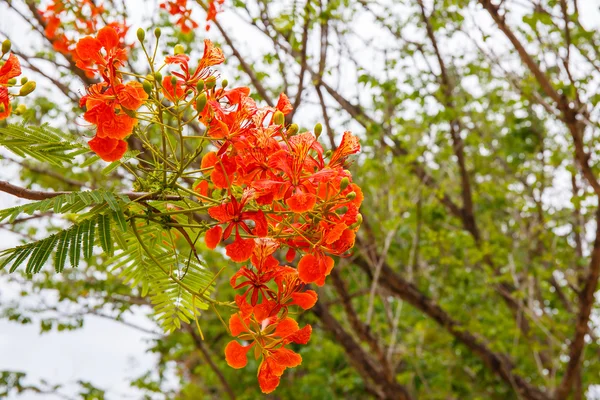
(173, 92)
(314, 268)
(108, 149)
(10, 69)
(90, 49)
(284, 105)
(349, 145)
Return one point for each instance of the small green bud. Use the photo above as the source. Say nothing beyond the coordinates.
(27, 88)
(150, 77)
(200, 85)
(24, 80)
(318, 129)
(6, 46)
(278, 118)
(292, 129)
(344, 183)
(211, 83)
(157, 32)
(20, 110)
(179, 49)
(174, 80)
(351, 196)
(359, 220)
(328, 154)
(141, 34)
(201, 102)
(147, 87)
(12, 82)
(224, 83)
(158, 77)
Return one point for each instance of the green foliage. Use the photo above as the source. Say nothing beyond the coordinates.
(44, 143)
(67, 203)
(179, 284)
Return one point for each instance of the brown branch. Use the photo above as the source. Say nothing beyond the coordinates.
(364, 364)
(569, 115)
(586, 302)
(303, 60)
(499, 364)
(362, 330)
(29, 194)
(468, 216)
(200, 346)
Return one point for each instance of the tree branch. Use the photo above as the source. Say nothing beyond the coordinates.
(29, 194)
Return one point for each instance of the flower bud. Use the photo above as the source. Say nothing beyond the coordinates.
(141, 34)
(12, 82)
(173, 80)
(318, 130)
(179, 49)
(278, 118)
(224, 83)
(20, 109)
(201, 102)
(212, 81)
(157, 32)
(344, 183)
(150, 77)
(359, 220)
(27, 88)
(158, 77)
(6, 46)
(351, 196)
(200, 85)
(327, 154)
(147, 87)
(24, 80)
(292, 129)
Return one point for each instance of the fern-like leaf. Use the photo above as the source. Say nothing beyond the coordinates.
(43, 143)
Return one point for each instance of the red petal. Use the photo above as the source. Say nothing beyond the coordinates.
(240, 250)
(284, 105)
(88, 48)
(314, 269)
(290, 255)
(108, 37)
(286, 327)
(301, 202)
(267, 380)
(213, 236)
(236, 325)
(236, 354)
(220, 213)
(10, 69)
(301, 336)
(306, 299)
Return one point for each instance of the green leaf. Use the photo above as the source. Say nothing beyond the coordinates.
(104, 233)
(60, 257)
(88, 239)
(76, 236)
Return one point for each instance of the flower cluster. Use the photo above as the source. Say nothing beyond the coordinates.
(109, 104)
(9, 71)
(268, 187)
(181, 10)
(65, 21)
(276, 190)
